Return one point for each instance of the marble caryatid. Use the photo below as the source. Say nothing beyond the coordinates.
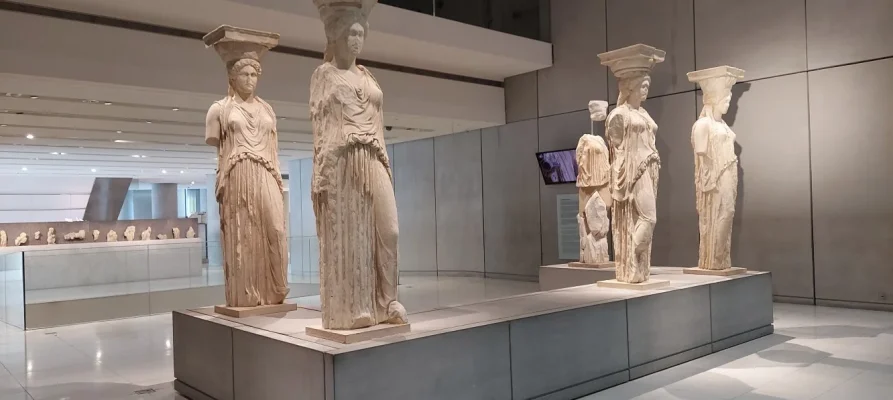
(112, 236)
(242, 127)
(37, 236)
(21, 239)
(146, 234)
(190, 234)
(593, 177)
(51, 235)
(635, 162)
(161, 236)
(3, 239)
(130, 233)
(353, 198)
(175, 232)
(716, 167)
(96, 235)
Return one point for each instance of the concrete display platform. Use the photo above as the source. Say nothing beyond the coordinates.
(562, 276)
(715, 272)
(560, 344)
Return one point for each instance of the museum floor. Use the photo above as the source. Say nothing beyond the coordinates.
(816, 352)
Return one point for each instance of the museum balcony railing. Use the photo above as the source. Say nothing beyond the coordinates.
(52, 285)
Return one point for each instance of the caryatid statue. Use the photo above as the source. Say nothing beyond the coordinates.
(716, 167)
(353, 198)
(635, 163)
(242, 127)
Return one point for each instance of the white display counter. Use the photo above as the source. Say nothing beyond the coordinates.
(90, 264)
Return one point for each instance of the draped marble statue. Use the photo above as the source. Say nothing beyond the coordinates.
(353, 198)
(716, 168)
(630, 132)
(593, 176)
(249, 185)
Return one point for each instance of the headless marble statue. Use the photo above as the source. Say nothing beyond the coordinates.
(593, 176)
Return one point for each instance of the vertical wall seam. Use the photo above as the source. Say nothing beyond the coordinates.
(809, 152)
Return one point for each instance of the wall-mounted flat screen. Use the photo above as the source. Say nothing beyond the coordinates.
(558, 166)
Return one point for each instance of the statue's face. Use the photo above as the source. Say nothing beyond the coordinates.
(245, 80)
(725, 103)
(642, 89)
(354, 38)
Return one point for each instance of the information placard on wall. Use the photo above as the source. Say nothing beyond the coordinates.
(568, 229)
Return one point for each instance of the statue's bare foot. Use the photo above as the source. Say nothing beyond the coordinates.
(396, 313)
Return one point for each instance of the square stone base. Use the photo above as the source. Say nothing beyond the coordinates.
(609, 264)
(357, 335)
(242, 312)
(715, 272)
(647, 285)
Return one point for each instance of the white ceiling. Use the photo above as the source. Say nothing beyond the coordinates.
(93, 129)
(108, 110)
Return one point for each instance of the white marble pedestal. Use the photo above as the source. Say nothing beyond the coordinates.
(243, 312)
(650, 284)
(715, 272)
(567, 275)
(357, 335)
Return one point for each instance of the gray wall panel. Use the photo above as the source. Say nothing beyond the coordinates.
(764, 37)
(668, 323)
(840, 32)
(480, 370)
(521, 97)
(772, 229)
(555, 351)
(852, 186)
(578, 35)
(740, 305)
(197, 341)
(414, 184)
(676, 234)
(459, 191)
(265, 368)
(556, 133)
(511, 199)
(667, 25)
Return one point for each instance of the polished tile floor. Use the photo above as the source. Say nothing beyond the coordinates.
(816, 353)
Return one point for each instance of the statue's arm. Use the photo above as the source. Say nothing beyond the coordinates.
(212, 125)
(700, 136)
(614, 129)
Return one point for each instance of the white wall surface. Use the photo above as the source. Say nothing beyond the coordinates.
(25, 198)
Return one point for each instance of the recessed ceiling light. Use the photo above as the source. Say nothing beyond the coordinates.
(181, 172)
(24, 168)
(164, 171)
(93, 170)
(117, 131)
(62, 154)
(122, 141)
(3, 125)
(136, 156)
(142, 156)
(29, 136)
(148, 122)
(34, 97)
(192, 183)
(55, 153)
(108, 103)
(175, 109)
